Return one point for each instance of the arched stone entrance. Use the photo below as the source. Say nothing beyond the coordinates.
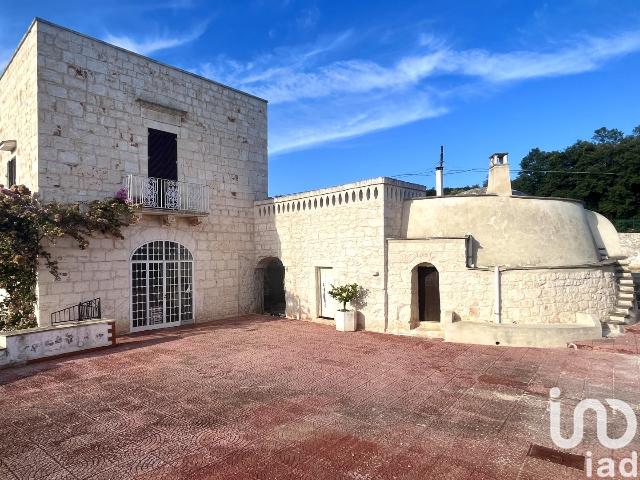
(273, 293)
(426, 293)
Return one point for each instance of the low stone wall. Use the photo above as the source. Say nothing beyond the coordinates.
(554, 296)
(23, 346)
(630, 243)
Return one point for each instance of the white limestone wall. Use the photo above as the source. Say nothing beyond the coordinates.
(531, 296)
(342, 228)
(18, 112)
(93, 127)
(466, 292)
(547, 296)
(93, 132)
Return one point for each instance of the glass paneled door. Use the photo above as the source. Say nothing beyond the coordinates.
(161, 286)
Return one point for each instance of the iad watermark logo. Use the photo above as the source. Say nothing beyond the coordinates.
(605, 467)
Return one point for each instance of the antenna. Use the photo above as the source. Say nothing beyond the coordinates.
(441, 165)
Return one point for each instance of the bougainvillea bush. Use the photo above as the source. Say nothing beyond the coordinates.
(27, 225)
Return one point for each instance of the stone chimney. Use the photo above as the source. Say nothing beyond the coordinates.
(499, 178)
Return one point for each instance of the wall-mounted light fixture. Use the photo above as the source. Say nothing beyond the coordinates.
(8, 145)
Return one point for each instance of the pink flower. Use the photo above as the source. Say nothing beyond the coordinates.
(122, 195)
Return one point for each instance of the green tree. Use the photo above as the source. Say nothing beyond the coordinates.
(604, 173)
(605, 135)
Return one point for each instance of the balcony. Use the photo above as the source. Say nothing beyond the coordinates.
(161, 196)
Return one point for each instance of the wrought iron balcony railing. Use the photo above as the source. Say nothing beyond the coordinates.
(163, 194)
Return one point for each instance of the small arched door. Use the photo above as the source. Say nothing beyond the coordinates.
(161, 285)
(428, 293)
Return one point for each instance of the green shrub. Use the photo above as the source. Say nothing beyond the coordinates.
(345, 293)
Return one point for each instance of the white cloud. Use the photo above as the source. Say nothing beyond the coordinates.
(317, 98)
(153, 44)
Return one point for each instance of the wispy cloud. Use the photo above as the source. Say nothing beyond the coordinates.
(316, 97)
(148, 45)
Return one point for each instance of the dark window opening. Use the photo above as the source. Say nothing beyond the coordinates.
(11, 172)
(163, 155)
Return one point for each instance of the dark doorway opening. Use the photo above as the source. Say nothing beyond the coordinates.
(273, 288)
(163, 155)
(428, 294)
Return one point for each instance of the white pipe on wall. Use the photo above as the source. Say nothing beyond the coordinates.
(439, 185)
(496, 308)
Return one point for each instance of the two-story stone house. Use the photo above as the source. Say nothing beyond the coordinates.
(81, 119)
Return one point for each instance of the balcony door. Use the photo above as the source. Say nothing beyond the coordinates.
(162, 189)
(161, 286)
(163, 155)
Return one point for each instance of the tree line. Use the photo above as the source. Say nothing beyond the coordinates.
(603, 172)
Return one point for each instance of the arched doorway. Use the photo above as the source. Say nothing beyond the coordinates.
(273, 295)
(427, 298)
(161, 285)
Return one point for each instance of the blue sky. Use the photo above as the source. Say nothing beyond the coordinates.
(365, 89)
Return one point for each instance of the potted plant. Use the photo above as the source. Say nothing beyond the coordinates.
(345, 319)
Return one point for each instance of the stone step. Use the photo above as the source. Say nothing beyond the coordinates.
(621, 310)
(624, 303)
(612, 329)
(627, 289)
(626, 282)
(625, 296)
(617, 320)
(625, 275)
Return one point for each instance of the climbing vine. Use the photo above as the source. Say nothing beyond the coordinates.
(28, 226)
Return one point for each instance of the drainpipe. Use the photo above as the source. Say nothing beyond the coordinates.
(496, 284)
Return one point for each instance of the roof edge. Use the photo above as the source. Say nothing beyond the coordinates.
(17, 49)
(149, 59)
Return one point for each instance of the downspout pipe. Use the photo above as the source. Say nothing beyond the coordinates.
(497, 294)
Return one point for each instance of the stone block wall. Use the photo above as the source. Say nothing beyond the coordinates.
(555, 295)
(96, 103)
(222, 261)
(466, 292)
(343, 228)
(18, 112)
(532, 296)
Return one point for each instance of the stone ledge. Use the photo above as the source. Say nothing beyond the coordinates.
(24, 346)
(513, 335)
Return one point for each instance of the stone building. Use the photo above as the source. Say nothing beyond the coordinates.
(80, 119)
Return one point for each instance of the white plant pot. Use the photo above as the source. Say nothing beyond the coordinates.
(346, 321)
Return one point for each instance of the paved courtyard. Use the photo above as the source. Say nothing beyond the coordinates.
(261, 397)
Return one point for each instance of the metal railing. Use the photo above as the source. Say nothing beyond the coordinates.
(163, 194)
(88, 310)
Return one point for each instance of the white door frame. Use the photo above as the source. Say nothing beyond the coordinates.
(329, 300)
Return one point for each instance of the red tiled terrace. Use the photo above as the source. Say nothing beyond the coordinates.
(260, 397)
